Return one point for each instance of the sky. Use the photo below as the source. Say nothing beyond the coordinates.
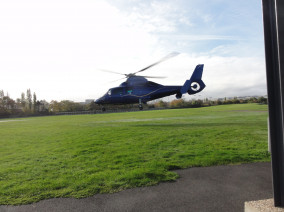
(57, 48)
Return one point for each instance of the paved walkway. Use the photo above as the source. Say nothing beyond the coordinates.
(219, 188)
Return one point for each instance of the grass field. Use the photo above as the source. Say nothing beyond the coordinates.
(81, 155)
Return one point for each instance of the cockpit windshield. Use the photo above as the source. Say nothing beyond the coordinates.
(116, 91)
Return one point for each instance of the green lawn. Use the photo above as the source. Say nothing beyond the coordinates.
(81, 155)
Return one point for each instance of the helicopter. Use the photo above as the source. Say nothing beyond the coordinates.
(137, 89)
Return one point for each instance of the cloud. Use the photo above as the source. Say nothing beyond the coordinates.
(223, 76)
(56, 47)
(188, 37)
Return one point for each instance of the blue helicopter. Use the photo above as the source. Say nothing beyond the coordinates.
(137, 89)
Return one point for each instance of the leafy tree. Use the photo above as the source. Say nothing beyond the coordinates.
(34, 102)
(236, 101)
(18, 103)
(2, 104)
(177, 103)
(10, 103)
(91, 106)
(161, 104)
(252, 100)
(43, 106)
(64, 106)
(262, 100)
(23, 100)
(197, 103)
(54, 106)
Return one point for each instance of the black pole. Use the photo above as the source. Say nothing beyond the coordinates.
(274, 50)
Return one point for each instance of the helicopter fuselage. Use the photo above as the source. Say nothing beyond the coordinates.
(137, 94)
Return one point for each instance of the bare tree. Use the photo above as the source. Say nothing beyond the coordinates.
(29, 99)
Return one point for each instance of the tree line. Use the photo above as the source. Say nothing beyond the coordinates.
(29, 105)
(181, 103)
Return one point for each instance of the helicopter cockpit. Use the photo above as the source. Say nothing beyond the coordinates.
(116, 91)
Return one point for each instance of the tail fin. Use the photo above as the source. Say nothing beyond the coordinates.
(194, 84)
(197, 73)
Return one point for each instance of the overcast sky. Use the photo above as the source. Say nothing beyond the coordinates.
(57, 47)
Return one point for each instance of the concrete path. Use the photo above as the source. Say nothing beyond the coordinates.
(219, 188)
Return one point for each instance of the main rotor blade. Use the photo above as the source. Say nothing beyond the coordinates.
(160, 77)
(173, 54)
(117, 80)
(113, 72)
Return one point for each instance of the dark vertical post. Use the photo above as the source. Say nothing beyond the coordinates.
(274, 50)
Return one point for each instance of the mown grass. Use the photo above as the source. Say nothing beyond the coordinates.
(78, 156)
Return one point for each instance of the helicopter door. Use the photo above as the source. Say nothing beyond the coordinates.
(129, 91)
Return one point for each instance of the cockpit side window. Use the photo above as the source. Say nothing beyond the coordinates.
(118, 91)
